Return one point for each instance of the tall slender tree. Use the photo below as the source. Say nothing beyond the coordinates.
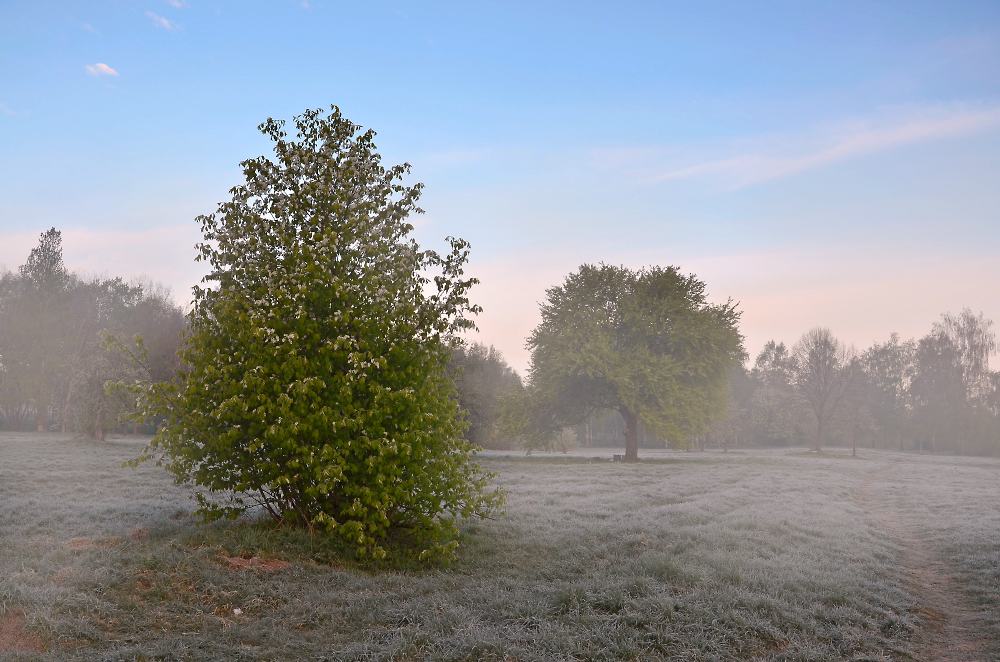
(44, 283)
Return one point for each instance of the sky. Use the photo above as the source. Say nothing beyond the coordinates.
(823, 164)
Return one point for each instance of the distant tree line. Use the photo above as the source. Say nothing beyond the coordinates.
(934, 394)
(53, 367)
(600, 339)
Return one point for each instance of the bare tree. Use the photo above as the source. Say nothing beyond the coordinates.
(975, 342)
(823, 372)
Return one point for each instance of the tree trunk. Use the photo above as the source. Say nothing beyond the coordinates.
(819, 434)
(854, 446)
(41, 418)
(64, 423)
(631, 435)
(99, 424)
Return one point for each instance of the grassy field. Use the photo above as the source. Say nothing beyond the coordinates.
(764, 555)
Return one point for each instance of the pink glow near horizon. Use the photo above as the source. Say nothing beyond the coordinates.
(862, 296)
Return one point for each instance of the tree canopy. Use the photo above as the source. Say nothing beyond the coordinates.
(645, 343)
(314, 383)
(52, 363)
(482, 379)
(823, 371)
(937, 392)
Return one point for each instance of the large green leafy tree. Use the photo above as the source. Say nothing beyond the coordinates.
(315, 383)
(644, 343)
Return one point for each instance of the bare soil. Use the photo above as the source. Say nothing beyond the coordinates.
(255, 563)
(951, 632)
(14, 638)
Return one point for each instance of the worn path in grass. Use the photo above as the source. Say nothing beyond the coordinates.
(952, 634)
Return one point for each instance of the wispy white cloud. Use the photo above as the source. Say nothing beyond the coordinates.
(163, 22)
(176, 3)
(100, 69)
(305, 5)
(755, 161)
(6, 111)
(90, 28)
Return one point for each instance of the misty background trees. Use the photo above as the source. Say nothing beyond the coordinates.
(482, 380)
(53, 367)
(933, 393)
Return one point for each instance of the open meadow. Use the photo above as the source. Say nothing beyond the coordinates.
(753, 554)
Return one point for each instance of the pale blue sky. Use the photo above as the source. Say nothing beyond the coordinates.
(823, 163)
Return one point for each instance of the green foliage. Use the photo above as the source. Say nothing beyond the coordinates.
(482, 380)
(645, 343)
(315, 383)
(268, 539)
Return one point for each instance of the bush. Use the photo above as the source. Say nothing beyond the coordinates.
(315, 384)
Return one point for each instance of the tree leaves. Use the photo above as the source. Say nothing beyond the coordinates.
(315, 385)
(646, 343)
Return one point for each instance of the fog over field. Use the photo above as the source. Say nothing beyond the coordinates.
(499, 331)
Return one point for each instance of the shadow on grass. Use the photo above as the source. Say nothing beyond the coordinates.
(576, 459)
(268, 540)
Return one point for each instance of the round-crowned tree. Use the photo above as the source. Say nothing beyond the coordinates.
(644, 343)
(314, 381)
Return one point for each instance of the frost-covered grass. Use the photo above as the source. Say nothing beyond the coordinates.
(771, 555)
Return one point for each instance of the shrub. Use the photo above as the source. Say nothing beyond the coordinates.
(315, 383)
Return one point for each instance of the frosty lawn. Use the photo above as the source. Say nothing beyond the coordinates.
(773, 555)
